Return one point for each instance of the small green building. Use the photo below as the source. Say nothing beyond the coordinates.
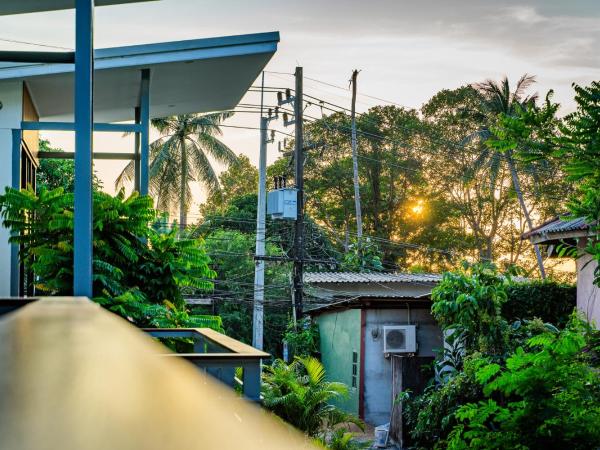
(360, 318)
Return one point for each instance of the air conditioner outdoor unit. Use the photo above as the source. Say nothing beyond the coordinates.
(400, 339)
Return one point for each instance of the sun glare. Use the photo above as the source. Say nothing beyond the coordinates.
(418, 208)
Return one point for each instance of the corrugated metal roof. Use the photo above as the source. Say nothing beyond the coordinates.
(559, 225)
(356, 277)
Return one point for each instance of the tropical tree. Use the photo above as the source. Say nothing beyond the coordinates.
(238, 180)
(180, 156)
(499, 100)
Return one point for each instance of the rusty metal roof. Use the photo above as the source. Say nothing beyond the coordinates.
(356, 277)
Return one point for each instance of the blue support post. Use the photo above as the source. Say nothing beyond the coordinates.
(16, 184)
(136, 161)
(145, 134)
(84, 121)
(252, 380)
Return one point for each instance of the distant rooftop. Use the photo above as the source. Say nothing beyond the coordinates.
(356, 277)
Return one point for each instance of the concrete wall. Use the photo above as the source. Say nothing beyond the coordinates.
(378, 369)
(588, 294)
(340, 338)
(11, 96)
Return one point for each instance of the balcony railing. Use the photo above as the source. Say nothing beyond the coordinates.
(76, 377)
(220, 356)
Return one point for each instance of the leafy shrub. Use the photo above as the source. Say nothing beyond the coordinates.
(504, 379)
(469, 301)
(548, 300)
(430, 417)
(341, 439)
(545, 395)
(137, 271)
(303, 337)
(363, 256)
(300, 395)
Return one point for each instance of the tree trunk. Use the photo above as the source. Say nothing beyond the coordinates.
(517, 187)
(183, 188)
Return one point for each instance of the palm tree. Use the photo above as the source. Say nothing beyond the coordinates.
(497, 98)
(180, 156)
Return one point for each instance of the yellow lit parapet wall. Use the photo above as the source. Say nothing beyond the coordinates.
(75, 377)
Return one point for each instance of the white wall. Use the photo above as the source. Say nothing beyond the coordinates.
(11, 96)
(588, 294)
(378, 369)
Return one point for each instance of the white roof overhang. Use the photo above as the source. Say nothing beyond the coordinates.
(8, 7)
(185, 77)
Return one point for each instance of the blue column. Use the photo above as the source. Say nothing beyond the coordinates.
(145, 134)
(252, 380)
(16, 184)
(84, 91)
(136, 161)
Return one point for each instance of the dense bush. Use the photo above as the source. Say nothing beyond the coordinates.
(545, 395)
(300, 395)
(548, 300)
(138, 271)
(504, 383)
(469, 302)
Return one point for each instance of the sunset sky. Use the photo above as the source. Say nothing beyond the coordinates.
(406, 50)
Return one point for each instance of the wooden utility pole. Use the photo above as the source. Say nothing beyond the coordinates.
(298, 270)
(359, 227)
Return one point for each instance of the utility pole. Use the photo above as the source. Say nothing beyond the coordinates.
(259, 268)
(261, 212)
(359, 227)
(297, 274)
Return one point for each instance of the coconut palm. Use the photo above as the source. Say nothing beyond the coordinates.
(497, 98)
(180, 156)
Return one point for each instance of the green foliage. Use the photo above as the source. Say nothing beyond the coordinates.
(55, 173)
(300, 395)
(579, 147)
(507, 379)
(234, 292)
(430, 417)
(363, 256)
(169, 263)
(341, 439)
(545, 395)
(571, 143)
(240, 179)
(470, 302)
(303, 337)
(138, 272)
(550, 301)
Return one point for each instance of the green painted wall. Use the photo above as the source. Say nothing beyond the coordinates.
(340, 338)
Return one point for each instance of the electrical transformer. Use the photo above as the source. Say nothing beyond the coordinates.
(283, 203)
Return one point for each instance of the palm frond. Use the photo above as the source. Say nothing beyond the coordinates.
(217, 149)
(205, 171)
(127, 175)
